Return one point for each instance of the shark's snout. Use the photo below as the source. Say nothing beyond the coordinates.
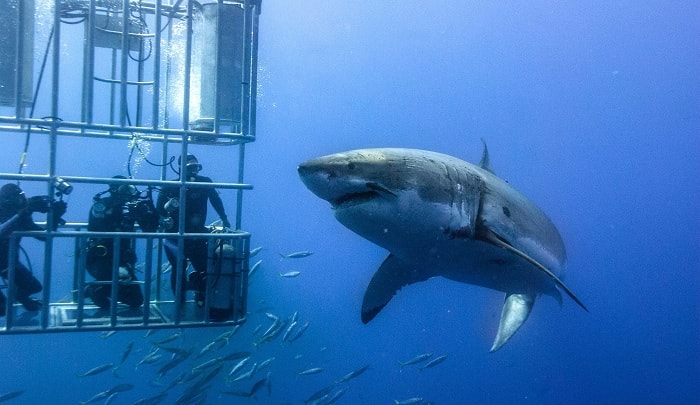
(339, 183)
(306, 169)
(315, 177)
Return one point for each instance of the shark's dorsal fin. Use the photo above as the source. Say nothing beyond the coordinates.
(490, 236)
(391, 276)
(485, 162)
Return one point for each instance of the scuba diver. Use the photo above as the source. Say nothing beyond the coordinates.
(117, 212)
(16, 215)
(195, 249)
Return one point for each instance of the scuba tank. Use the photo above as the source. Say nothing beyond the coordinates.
(222, 280)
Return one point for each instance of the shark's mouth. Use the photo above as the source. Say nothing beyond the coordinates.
(371, 192)
(353, 199)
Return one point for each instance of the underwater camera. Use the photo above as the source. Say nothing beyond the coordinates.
(135, 210)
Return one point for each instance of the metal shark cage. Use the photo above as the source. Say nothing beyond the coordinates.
(87, 76)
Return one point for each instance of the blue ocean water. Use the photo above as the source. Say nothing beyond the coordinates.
(590, 109)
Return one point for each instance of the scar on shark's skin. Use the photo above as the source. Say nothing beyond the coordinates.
(441, 216)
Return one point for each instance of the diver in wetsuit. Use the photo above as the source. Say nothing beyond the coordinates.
(118, 212)
(195, 249)
(16, 215)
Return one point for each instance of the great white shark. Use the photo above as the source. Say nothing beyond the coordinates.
(438, 215)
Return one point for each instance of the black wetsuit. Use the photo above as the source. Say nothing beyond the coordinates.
(195, 249)
(111, 214)
(25, 282)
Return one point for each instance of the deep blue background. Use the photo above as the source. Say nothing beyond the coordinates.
(591, 109)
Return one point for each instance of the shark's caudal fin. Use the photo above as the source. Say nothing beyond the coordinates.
(516, 309)
(391, 276)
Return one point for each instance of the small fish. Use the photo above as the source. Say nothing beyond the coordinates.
(247, 374)
(310, 371)
(417, 359)
(433, 362)
(153, 400)
(300, 331)
(289, 330)
(272, 332)
(211, 347)
(207, 364)
(238, 367)
(150, 332)
(330, 398)
(150, 358)
(297, 255)
(227, 335)
(276, 324)
(174, 362)
(199, 385)
(105, 335)
(6, 396)
(266, 363)
(236, 356)
(179, 380)
(290, 274)
(97, 397)
(167, 339)
(254, 268)
(320, 394)
(166, 268)
(410, 401)
(176, 350)
(259, 384)
(352, 374)
(120, 388)
(126, 353)
(255, 251)
(256, 387)
(108, 393)
(110, 398)
(98, 370)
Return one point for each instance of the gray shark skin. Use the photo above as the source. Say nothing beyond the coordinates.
(440, 216)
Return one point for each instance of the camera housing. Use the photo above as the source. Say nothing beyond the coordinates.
(62, 187)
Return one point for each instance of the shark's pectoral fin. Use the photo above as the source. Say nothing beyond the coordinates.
(515, 311)
(391, 276)
(492, 237)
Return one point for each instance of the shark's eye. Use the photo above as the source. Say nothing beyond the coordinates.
(351, 166)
